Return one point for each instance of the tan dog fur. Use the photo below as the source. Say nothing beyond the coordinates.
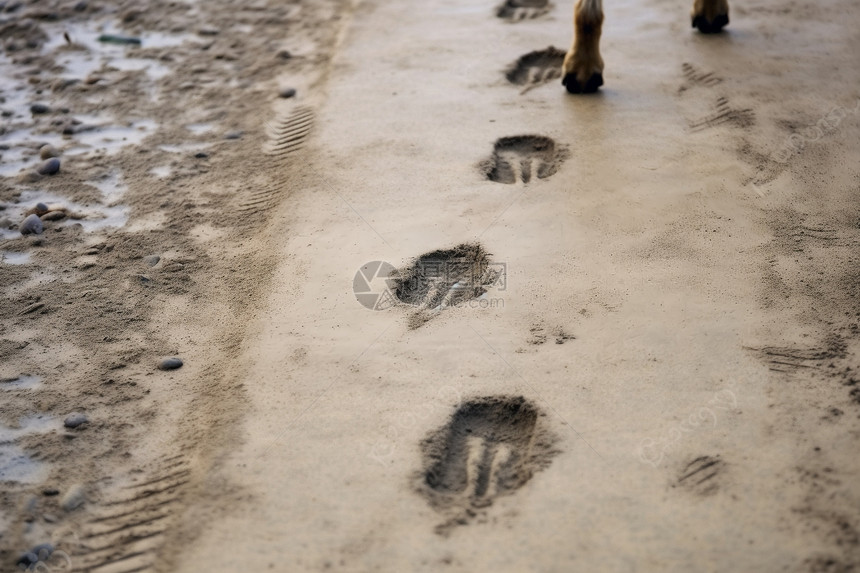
(582, 71)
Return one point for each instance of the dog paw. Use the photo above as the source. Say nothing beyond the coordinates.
(710, 16)
(581, 76)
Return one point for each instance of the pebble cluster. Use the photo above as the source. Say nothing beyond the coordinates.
(39, 553)
(33, 223)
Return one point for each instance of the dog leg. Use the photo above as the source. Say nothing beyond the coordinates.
(582, 71)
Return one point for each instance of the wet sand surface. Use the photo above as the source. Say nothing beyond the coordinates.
(618, 332)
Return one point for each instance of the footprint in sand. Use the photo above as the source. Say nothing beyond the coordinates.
(536, 68)
(521, 157)
(491, 447)
(516, 10)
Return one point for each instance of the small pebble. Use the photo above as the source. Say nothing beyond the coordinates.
(53, 215)
(50, 491)
(234, 134)
(40, 209)
(48, 151)
(32, 225)
(49, 167)
(287, 93)
(74, 498)
(201, 155)
(38, 108)
(41, 552)
(27, 560)
(151, 260)
(285, 54)
(121, 40)
(208, 31)
(170, 364)
(75, 420)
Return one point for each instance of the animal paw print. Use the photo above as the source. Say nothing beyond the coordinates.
(725, 114)
(693, 76)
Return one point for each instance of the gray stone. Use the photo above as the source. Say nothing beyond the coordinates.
(287, 93)
(43, 551)
(151, 260)
(53, 215)
(39, 108)
(49, 167)
(27, 560)
(75, 420)
(74, 498)
(170, 364)
(48, 151)
(32, 225)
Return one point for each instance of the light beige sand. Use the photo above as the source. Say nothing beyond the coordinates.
(668, 243)
(680, 310)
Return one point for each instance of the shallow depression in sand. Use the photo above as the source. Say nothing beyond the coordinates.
(9, 258)
(22, 382)
(109, 137)
(20, 147)
(15, 464)
(199, 128)
(92, 217)
(86, 54)
(184, 147)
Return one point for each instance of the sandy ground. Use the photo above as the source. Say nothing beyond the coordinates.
(622, 333)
